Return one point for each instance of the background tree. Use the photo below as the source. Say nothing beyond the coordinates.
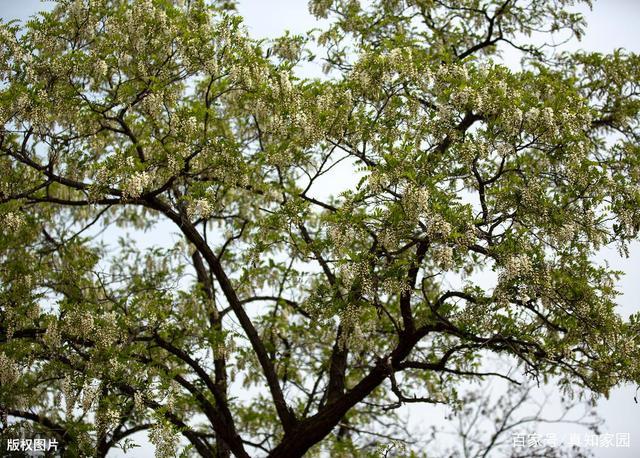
(278, 320)
(508, 424)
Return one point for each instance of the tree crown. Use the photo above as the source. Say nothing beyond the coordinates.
(476, 196)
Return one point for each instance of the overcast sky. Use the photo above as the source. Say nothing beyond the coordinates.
(612, 24)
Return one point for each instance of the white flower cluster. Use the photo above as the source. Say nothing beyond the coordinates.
(468, 238)
(288, 48)
(201, 208)
(187, 128)
(8, 370)
(112, 417)
(10, 49)
(532, 193)
(388, 238)
(320, 8)
(106, 418)
(100, 69)
(415, 202)
(543, 120)
(515, 120)
(438, 228)
(377, 181)
(287, 111)
(355, 329)
(224, 347)
(443, 257)
(173, 165)
(52, 337)
(460, 99)
(70, 396)
(358, 271)
(451, 72)
(153, 104)
(101, 178)
(80, 324)
(171, 395)
(395, 286)
(163, 437)
(626, 219)
(135, 185)
(89, 393)
(443, 124)
(531, 117)
(251, 77)
(103, 330)
(564, 234)
(342, 236)
(13, 221)
(86, 324)
(517, 266)
(138, 401)
(548, 119)
(374, 71)
(574, 121)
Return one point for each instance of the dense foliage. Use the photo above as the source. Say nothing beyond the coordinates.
(269, 317)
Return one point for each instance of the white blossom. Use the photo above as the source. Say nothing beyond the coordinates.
(89, 393)
(531, 116)
(101, 68)
(70, 395)
(164, 438)
(201, 208)
(138, 401)
(136, 184)
(13, 221)
(517, 266)
(52, 337)
(415, 202)
(438, 227)
(8, 370)
(443, 257)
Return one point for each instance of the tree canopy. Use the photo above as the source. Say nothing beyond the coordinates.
(277, 319)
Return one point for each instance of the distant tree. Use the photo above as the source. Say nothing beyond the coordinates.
(275, 320)
(490, 425)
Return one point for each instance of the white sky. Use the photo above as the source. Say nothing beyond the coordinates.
(612, 24)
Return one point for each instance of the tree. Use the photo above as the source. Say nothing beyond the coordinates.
(280, 321)
(505, 425)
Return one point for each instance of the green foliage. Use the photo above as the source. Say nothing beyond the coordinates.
(275, 319)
